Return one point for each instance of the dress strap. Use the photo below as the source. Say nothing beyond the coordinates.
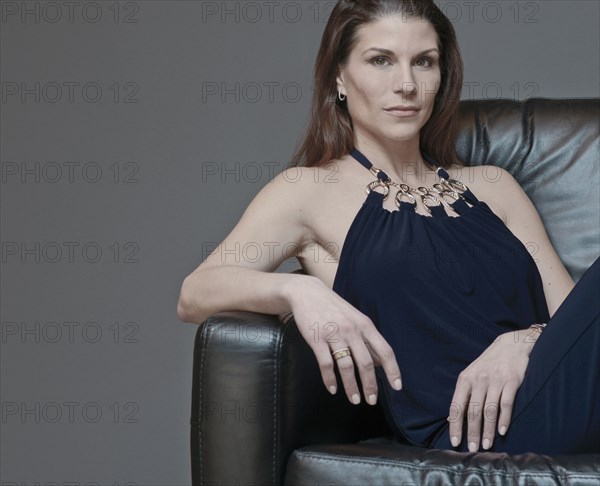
(448, 188)
(367, 163)
(457, 185)
(465, 191)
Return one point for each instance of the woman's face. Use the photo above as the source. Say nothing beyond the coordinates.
(394, 64)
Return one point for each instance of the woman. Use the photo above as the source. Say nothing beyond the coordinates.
(431, 295)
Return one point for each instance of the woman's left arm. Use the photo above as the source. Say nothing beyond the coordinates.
(487, 387)
(525, 223)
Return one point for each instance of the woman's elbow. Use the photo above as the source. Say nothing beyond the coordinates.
(184, 312)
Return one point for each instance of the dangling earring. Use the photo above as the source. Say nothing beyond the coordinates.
(341, 97)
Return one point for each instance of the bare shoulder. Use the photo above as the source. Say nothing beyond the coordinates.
(290, 190)
(280, 211)
(301, 190)
(307, 181)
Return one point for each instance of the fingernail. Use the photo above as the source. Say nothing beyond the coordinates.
(355, 399)
(486, 443)
(454, 441)
(372, 399)
(397, 384)
(332, 389)
(472, 447)
(503, 430)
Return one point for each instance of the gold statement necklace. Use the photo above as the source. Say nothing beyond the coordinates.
(446, 192)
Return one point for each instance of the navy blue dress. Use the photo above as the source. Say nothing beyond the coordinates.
(440, 289)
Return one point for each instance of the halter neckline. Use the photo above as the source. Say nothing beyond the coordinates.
(360, 157)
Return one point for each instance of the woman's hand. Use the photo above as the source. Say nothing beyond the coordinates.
(488, 386)
(329, 323)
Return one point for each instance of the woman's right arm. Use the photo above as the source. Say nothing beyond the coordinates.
(238, 275)
(214, 289)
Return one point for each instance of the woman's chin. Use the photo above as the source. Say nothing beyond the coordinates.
(402, 135)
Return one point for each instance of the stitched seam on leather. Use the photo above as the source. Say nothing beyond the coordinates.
(274, 456)
(204, 341)
(468, 469)
(276, 365)
(278, 351)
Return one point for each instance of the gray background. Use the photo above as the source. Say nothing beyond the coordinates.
(109, 402)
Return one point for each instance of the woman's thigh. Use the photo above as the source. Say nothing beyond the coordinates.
(557, 407)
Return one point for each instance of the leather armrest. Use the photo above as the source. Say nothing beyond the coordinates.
(257, 395)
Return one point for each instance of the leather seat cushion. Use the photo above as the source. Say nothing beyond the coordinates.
(382, 462)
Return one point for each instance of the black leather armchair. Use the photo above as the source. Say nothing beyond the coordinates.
(260, 412)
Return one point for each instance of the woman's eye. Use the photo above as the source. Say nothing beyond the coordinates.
(428, 61)
(379, 61)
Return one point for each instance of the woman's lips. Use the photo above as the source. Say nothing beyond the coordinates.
(402, 112)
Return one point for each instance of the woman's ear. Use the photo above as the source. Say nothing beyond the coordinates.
(341, 86)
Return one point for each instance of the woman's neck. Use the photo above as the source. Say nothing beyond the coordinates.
(402, 162)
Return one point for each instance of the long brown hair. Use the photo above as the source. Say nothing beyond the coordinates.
(330, 134)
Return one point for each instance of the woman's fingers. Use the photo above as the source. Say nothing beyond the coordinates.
(366, 369)
(475, 417)
(345, 327)
(507, 401)
(326, 363)
(346, 367)
(481, 401)
(358, 357)
(368, 351)
(383, 355)
(490, 416)
(363, 358)
(458, 406)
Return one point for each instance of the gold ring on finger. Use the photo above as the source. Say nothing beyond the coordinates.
(341, 353)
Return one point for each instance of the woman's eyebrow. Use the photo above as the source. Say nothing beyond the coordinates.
(390, 53)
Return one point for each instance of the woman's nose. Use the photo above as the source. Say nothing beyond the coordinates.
(404, 81)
